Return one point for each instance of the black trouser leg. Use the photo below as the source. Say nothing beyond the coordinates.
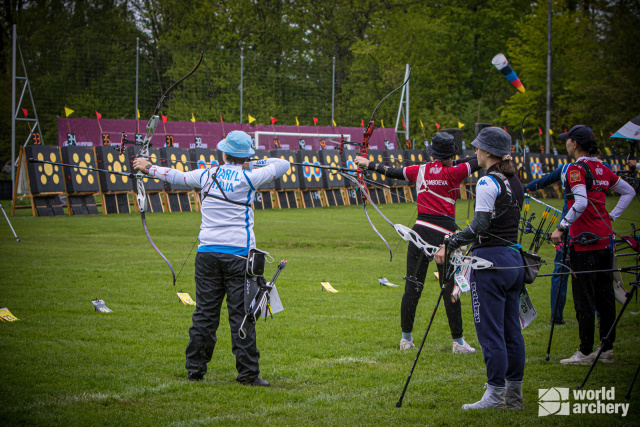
(591, 292)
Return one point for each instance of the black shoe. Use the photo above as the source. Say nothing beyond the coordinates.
(257, 381)
(194, 377)
(559, 321)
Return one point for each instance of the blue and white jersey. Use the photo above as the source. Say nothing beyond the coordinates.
(226, 227)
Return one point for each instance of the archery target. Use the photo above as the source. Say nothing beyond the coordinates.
(80, 180)
(109, 158)
(348, 157)
(154, 158)
(202, 158)
(44, 178)
(310, 177)
(175, 158)
(290, 180)
(332, 158)
(395, 159)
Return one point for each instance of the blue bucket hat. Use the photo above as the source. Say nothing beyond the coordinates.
(237, 144)
(493, 140)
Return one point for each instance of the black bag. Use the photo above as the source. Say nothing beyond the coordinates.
(256, 260)
(531, 263)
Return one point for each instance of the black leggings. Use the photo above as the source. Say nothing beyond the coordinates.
(412, 291)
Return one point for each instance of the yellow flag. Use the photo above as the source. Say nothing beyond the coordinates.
(138, 112)
(550, 132)
(68, 111)
(382, 122)
(601, 134)
(251, 119)
(334, 124)
(297, 122)
(193, 118)
(422, 124)
(460, 125)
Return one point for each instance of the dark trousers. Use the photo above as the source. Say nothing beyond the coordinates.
(412, 290)
(216, 275)
(591, 292)
(560, 281)
(496, 307)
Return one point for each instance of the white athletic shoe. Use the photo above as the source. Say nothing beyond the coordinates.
(494, 397)
(579, 359)
(465, 348)
(605, 356)
(406, 345)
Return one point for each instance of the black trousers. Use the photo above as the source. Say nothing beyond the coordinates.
(218, 274)
(412, 291)
(591, 292)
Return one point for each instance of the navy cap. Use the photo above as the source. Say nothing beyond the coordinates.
(443, 145)
(581, 134)
(494, 141)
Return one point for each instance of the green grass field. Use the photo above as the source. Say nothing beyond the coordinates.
(332, 359)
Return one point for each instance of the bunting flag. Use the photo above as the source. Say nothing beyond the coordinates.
(501, 63)
(460, 125)
(505, 128)
(193, 118)
(297, 122)
(221, 121)
(334, 124)
(98, 115)
(273, 120)
(565, 131)
(315, 121)
(437, 126)
(550, 132)
(361, 123)
(631, 130)
(251, 119)
(164, 119)
(26, 113)
(540, 131)
(382, 123)
(68, 111)
(422, 124)
(138, 112)
(403, 125)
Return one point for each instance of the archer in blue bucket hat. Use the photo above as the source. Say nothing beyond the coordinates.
(237, 144)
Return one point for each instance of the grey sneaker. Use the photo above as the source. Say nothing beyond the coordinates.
(493, 398)
(579, 359)
(465, 348)
(605, 356)
(513, 397)
(406, 345)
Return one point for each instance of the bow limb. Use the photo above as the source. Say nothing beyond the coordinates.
(153, 245)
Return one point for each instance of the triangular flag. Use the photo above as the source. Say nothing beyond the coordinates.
(334, 124)
(550, 132)
(505, 128)
(382, 123)
(540, 131)
(315, 121)
(361, 123)
(437, 126)
(138, 112)
(297, 122)
(273, 120)
(68, 111)
(193, 118)
(565, 131)
(403, 125)
(221, 121)
(251, 119)
(26, 113)
(460, 125)
(164, 119)
(98, 115)
(422, 124)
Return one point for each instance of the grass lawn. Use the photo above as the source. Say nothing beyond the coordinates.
(332, 359)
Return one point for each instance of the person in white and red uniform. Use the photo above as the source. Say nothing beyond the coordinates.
(438, 187)
(586, 183)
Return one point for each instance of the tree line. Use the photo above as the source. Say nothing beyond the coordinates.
(81, 54)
